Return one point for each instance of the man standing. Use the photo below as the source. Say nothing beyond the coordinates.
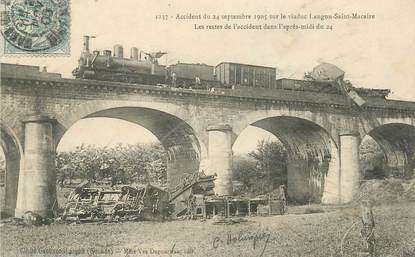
(197, 82)
(173, 79)
(368, 227)
(282, 198)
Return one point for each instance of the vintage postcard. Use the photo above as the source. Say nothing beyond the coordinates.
(207, 128)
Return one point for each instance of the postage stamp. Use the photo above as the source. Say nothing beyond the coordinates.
(35, 27)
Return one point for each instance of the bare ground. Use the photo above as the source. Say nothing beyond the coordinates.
(295, 234)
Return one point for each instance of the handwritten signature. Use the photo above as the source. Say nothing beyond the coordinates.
(242, 236)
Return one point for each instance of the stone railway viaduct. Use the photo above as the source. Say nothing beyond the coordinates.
(321, 131)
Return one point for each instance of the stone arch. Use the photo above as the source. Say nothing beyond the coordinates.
(184, 148)
(369, 123)
(313, 166)
(12, 151)
(397, 141)
(330, 122)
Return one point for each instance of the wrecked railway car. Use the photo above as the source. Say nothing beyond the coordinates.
(192, 199)
(144, 202)
(197, 183)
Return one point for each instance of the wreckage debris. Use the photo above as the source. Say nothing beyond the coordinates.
(117, 203)
(331, 74)
(192, 199)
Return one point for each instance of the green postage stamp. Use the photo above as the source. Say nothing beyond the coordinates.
(35, 27)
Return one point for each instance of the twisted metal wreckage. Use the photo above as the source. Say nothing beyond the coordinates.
(190, 200)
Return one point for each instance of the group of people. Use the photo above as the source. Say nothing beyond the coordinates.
(175, 83)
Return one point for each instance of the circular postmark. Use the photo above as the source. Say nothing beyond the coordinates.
(35, 25)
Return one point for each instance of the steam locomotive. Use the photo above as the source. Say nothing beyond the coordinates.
(140, 68)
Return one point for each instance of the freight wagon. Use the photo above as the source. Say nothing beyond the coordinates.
(229, 73)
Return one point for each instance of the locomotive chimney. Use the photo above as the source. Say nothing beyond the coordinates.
(118, 51)
(134, 53)
(86, 44)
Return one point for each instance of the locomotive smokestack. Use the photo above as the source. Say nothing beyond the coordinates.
(134, 53)
(118, 51)
(86, 44)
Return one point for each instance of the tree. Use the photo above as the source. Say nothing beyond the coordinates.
(263, 169)
(123, 164)
(271, 164)
(372, 160)
(244, 171)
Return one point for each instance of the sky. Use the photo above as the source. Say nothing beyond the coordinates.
(105, 132)
(378, 53)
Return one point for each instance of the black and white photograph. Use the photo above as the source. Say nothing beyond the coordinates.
(207, 128)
